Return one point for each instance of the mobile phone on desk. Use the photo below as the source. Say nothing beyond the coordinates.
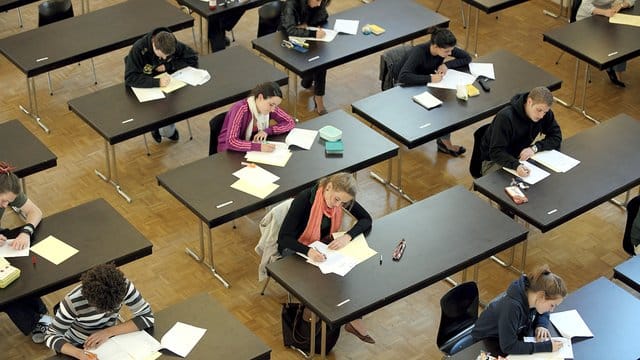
(484, 83)
(399, 250)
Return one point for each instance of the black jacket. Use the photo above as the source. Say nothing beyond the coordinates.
(509, 318)
(297, 12)
(140, 64)
(420, 64)
(512, 130)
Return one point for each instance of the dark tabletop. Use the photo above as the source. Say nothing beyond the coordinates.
(234, 73)
(202, 7)
(629, 273)
(609, 164)
(596, 41)
(85, 36)
(403, 20)
(203, 184)
(398, 115)
(491, 6)
(23, 150)
(6, 5)
(612, 315)
(100, 234)
(444, 233)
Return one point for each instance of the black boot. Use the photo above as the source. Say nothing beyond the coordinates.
(614, 78)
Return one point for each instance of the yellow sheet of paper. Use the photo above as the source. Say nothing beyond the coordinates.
(357, 248)
(54, 250)
(154, 356)
(174, 84)
(625, 19)
(261, 190)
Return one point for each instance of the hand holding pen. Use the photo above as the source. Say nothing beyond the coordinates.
(315, 255)
(523, 171)
(320, 33)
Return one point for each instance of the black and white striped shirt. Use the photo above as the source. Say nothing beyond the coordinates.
(76, 319)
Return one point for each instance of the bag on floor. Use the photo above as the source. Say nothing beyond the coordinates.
(296, 330)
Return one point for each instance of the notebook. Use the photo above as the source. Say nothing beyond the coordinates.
(427, 100)
(8, 273)
(333, 147)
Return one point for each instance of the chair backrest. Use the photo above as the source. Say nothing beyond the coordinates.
(632, 212)
(391, 62)
(475, 165)
(51, 11)
(215, 126)
(269, 17)
(459, 312)
(575, 5)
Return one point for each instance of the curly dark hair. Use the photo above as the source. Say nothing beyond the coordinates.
(104, 287)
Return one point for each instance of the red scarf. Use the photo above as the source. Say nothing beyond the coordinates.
(318, 209)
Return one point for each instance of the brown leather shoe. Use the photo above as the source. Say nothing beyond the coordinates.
(366, 338)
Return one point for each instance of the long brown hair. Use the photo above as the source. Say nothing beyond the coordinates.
(542, 279)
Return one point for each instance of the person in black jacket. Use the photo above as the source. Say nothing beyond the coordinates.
(314, 215)
(425, 64)
(217, 27)
(512, 135)
(523, 311)
(296, 17)
(156, 53)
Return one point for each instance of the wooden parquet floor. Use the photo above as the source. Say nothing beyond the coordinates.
(580, 251)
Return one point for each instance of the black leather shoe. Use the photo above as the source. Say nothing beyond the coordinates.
(445, 150)
(614, 78)
(366, 338)
(155, 134)
(175, 136)
(227, 41)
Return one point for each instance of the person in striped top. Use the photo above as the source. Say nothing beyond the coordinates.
(87, 316)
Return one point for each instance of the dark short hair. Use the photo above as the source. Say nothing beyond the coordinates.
(104, 287)
(165, 42)
(267, 89)
(541, 95)
(443, 38)
(9, 182)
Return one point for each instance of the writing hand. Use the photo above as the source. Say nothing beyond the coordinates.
(522, 171)
(340, 242)
(266, 147)
(260, 136)
(20, 242)
(442, 69)
(316, 255)
(436, 77)
(320, 33)
(526, 153)
(556, 345)
(161, 68)
(542, 334)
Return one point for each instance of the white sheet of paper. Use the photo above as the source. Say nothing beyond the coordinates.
(54, 249)
(174, 84)
(256, 174)
(535, 173)
(452, 79)
(565, 352)
(346, 26)
(484, 69)
(192, 76)
(148, 94)
(427, 100)
(336, 262)
(260, 190)
(357, 248)
(7, 251)
(279, 157)
(555, 160)
(570, 324)
(303, 138)
(328, 37)
(137, 345)
(182, 338)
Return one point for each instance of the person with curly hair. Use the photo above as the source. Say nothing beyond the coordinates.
(29, 314)
(87, 316)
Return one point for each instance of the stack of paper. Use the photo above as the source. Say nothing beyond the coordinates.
(427, 100)
(555, 160)
(192, 76)
(54, 250)
(482, 69)
(346, 26)
(535, 173)
(301, 137)
(279, 157)
(328, 37)
(148, 94)
(254, 180)
(570, 324)
(452, 79)
(625, 19)
(342, 261)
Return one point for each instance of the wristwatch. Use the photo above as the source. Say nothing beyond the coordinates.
(534, 148)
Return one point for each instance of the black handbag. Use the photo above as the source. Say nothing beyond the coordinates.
(296, 330)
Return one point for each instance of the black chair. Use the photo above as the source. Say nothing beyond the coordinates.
(475, 165)
(459, 308)
(632, 212)
(391, 62)
(269, 18)
(215, 126)
(51, 11)
(575, 5)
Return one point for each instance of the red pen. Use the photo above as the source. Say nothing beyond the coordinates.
(33, 260)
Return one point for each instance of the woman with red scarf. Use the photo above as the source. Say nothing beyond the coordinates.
(314, 215)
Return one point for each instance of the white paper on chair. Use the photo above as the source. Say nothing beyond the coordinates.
(555, 160)
(192, 76)
(535, 173)
(329, 35)
(570, 324)
(452, 79)
(148, 94)
(346, 26)
(303, 138)
(484, 69)
(7, 251)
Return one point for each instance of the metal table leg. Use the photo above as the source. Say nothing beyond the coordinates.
(33, 104)
(199, 257)
(388, 183)
(554, 15)
(112, 170)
